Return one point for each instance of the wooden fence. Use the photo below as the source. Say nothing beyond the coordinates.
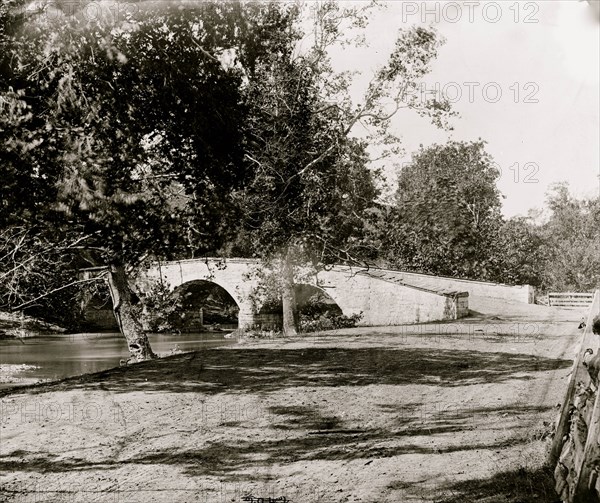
(575, 451)
(570, 299)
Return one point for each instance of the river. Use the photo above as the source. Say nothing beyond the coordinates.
(59, 356)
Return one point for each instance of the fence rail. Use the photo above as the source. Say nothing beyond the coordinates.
(575, 453)
(570, 299)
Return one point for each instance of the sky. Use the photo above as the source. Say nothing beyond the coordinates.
(524, 77)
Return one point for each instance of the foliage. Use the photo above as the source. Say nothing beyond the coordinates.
(266, 295)
(570, 241)
(33, 263)
(124, 172)
(517, 254)
(93, 147)
(446, 213)
(328, 321)
(161, 310)
(312, 189)
(446, 221)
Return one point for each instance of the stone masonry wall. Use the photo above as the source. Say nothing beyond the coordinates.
(387, 303)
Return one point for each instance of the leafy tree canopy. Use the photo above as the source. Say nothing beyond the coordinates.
(447, 210)
(570, 241)
(127, 137)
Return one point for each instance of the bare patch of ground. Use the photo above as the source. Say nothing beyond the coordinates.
(448, 413)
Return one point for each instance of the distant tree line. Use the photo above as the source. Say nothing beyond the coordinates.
(445, 219)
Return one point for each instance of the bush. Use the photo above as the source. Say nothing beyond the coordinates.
(261, 332)
(328, 321)
(161, 309)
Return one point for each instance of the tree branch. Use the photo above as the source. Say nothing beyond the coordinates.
(73, 283)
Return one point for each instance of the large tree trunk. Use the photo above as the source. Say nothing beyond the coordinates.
(127, 318)
(288, 298)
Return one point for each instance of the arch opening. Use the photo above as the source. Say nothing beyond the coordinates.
(313, 304)
(204, 306)
(96, 311)
(314, 301)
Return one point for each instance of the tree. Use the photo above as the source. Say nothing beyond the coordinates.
(517, 254)
(570, 238)
(312, 189)
(447, 212)
(131, 131)
(268, 133)
(34, 260)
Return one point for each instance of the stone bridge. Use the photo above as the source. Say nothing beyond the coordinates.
(383, 297)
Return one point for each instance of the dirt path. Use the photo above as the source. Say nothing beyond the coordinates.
(454, 412)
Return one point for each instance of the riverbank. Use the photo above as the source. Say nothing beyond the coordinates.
(11, 374)
(451, 412)
(15, 326)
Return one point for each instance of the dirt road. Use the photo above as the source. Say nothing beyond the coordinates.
(454, 412)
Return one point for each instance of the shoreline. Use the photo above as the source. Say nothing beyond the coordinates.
(15, 326)
(9, 375)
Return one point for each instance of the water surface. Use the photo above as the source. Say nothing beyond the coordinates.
(59, 356)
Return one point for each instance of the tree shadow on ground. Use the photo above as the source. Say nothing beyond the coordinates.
(226, 460)
(426, 419)
(312, 437)
(266, 370)
(515, 486)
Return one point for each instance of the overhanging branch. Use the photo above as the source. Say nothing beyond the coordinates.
(63, 287)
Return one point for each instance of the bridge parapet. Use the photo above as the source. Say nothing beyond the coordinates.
(518, 293)
(386, 301)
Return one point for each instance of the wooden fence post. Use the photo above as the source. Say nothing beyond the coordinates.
(587, 474)
(578, 373)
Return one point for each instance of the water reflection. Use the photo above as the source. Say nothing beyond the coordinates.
(61, 356)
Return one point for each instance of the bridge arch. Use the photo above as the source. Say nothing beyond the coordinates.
(311, 297)
(229, 276)
(204, 303)
(312, 301)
